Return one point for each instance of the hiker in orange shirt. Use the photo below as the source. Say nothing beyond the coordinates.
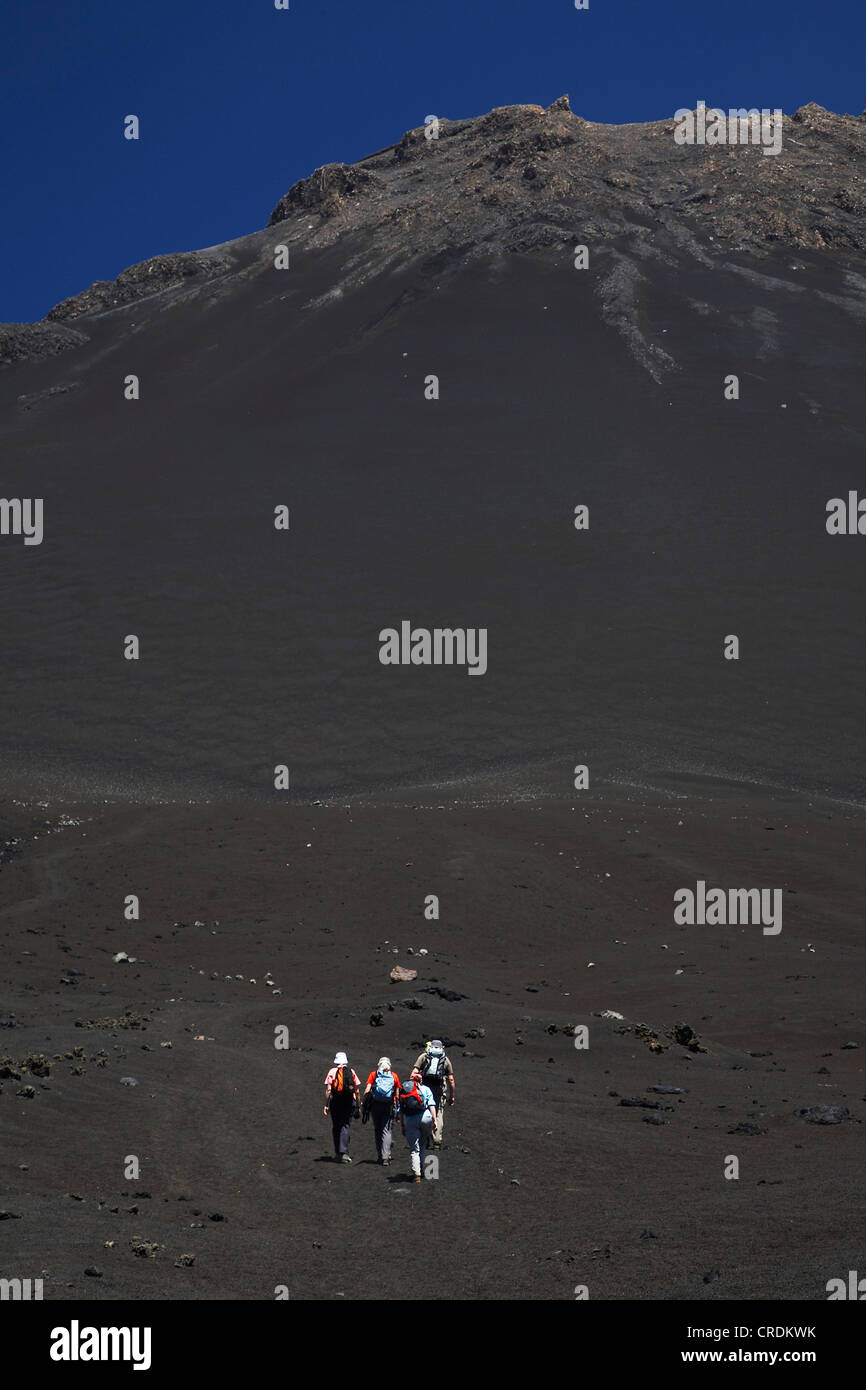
(380, 1097)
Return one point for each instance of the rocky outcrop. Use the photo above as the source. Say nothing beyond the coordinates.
(326, 191)
(29, 342)
(139, 281)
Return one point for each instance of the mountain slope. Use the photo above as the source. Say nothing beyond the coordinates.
(604, 387)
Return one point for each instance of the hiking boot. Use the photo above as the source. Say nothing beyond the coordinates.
(436, 1146)
(345, 1159)
(417, 1177)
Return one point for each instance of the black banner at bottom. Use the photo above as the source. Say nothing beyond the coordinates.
(63, 1339)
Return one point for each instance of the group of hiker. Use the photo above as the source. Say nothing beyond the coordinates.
(418, 1104)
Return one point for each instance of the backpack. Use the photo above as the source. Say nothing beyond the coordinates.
(383, 1086)
(343, 1087)
(410, 1101)
(433, 1066)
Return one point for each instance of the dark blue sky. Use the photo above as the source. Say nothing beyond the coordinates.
(238, 100)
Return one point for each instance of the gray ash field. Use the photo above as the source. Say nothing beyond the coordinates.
(558, 387)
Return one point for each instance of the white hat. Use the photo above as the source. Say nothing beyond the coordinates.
(383, 1064)
(341, 1060)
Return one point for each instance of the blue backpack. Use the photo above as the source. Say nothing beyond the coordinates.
(383, 1086)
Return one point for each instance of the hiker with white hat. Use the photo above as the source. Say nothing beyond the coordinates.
(380, 1097)
(342, 1096)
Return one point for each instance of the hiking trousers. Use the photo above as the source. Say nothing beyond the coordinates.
(341, 1123)
(382, 1115)
(441, 1102)
(440, 1122)
(418, 1131)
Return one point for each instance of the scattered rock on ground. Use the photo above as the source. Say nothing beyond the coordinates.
(144, 1249)
(683, 1034)
(646, 1034)
(399, 972)
(825, 1114)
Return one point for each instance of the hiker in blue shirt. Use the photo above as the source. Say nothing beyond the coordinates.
(380, 1100)
(417, 1118)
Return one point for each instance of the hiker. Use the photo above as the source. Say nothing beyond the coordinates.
(380, 1098)
(342, 1097)
(417, 1118)
(437, 1073)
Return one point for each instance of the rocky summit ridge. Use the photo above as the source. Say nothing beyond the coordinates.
(525, 180)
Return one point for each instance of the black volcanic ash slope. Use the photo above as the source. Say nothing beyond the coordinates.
(604, 387)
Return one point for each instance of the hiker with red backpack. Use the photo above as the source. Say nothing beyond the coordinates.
(342, 1097)
(380, 1099)
(417, 1118)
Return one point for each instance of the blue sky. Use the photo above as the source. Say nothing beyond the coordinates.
(238, 100)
